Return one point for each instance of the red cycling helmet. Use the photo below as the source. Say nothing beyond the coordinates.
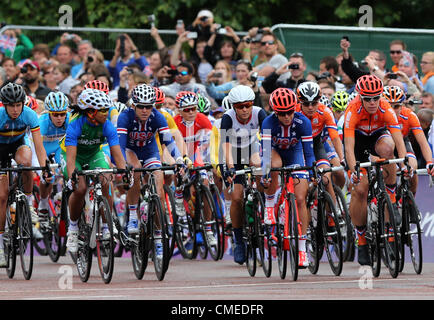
(179, 97)
(31, 103)
(98, 85)
(369, 85)
(160, 96)
(283, 99)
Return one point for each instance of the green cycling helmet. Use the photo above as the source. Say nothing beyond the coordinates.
(204, 105)
(339, 101)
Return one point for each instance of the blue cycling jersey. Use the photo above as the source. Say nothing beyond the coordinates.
(13, 130)
(51, 134)
(139, 136)
(294, 143)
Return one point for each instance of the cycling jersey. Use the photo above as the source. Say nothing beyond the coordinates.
(13, 130)
(196, 136)
(407, 121)
(172, 126)
(322, 119)
(51, 135)
(294, 143)
(139, 136)
(357, 119)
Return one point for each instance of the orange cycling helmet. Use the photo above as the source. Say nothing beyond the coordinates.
(283, 99)
(98, 85)
(369, 85)
(160, 96)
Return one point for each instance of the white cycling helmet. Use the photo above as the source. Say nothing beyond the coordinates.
(308, 91)
(120, 106)
(325, 101)
(143, 94)
(56, 102)
(94, 99)
(186, 99)
(241, 93)
(225, 104)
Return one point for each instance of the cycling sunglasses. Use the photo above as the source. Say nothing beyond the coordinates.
(58, 114)
(285, 113)
(369, 99)
(103, 111)
(308, 104)
(192, 109)
(395, 51)
(242, 105)
(144, 106)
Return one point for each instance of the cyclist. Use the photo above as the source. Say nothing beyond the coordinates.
(137, 128)
(339, 103)
(239, 135)
(196, 130)
(409, 123)
(88, 129)
(53, 125)
(15, 119)
(370, 126)
(286, 140)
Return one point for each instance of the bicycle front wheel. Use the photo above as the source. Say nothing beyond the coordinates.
(171, 217)
(346, 226)
(211, 224)
(219, 217)
(161, 259)
(389, 235)
(52, 238)
(293, 236)
(10, 243)
(25, 234)
(83, 257)
(104, 239)
(249, 236)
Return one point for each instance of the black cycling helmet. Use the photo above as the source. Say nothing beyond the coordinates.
(12, 93)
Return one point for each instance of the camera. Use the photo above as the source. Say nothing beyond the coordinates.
(90, 59)
(323, 75)
(192, 35)
(260, 30)
(222, 31)
(203, 19)
(346, 38)
(254, 76)
(218, 74)
(294, 66)
(70, 37)
(413, 102)
(24, 70)
(151, 20)
(179, 23)
(172, 72)
(247, 40)
(392, 75)
(130, 71)
(122, 45)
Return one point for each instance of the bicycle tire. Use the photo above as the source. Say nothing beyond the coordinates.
(347, 228)
(25, 234)
(282, 256)
(185, 233)
(119, 248)
(331, 234)
(83, 257)
(10, 244)
(389, 239)
(140, 252)
(219, 218)
(159, 266)
(249, 236)
(258, 208)
(42, 250)
(171, 217)
(203, 251)
(414, 243)
(293, 225)
(314, 238)
(52, 239)
(207, 198)
(104, 247)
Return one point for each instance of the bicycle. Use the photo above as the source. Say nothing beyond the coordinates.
(18, 230)
(410, 230)
(194, 222)
(288, 229)
(324, 231)
(381, 230)
(150, 211)
(215, 192)
(96, 216)
(253, 226)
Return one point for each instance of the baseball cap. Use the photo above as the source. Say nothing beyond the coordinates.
(217, 110)
(205, 13)
(31, 63)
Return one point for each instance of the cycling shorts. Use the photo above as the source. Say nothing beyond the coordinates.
(149, 158)
(365, 145)
(294, 159)
(8, 151)
(98, 160)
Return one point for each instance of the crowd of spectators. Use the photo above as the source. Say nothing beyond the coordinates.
(210, 59)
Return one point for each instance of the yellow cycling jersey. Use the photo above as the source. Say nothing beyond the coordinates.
(172, 126)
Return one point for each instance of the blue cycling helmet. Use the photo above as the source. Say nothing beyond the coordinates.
(56, 102)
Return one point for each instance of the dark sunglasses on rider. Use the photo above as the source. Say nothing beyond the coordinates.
(192, 109)
(104, 111)
(58, 114)
(369, 99)
(144, 106)
(308, 104)
(285, 113)
(242, 105)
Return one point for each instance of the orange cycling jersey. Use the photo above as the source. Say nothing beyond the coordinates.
(358, 119)
(323, 118)
(408, 120)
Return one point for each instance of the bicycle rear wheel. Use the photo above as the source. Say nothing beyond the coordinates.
(331, 234)
(389, 236)
(10, 243)
(282, 254)
(249, 236)
(104, 239)
(219, 217)
(185, 233)
(83, 257)
(258, 209)
(52, 238)
(160, 264)
(293, 236)
(208, 204)
(347, 228)
(25, 234)
(140, 250)
(38, 244)
(314, 243)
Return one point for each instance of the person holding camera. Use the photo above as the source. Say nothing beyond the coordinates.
(269, 46)
(31, 82)
(289, 75)
(125, 54)
(202, 24)
(84, 47)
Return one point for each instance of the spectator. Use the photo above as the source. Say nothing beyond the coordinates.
(226, 49)
(184, 80)
(62, 75)
(3, 76)
(427, 100)
(41, 54)
(105, 77)
(23, 48)
(65, 55)
(128, 79)
(380, 59)
(170, 101)
(345, 79)
(293, 71)
(427, 68)
(202, 24)
(84, 47)
(11, 69)
(408, 66)
(274, 59)
(48, 76)
(396, 49)
(69, 39)
(425, 117)
(75, 92)
(327, 88)
(125, 54)
(32, 85)
(329, 67)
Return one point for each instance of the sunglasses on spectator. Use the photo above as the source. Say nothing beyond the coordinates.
(242, 105)
(263, 43)
(425, 62)
(192, 109)
(296, 55)
(395, 51)
(144, 106)
(58, 114)
(182, 73)
(103, 111)
(285, 113)
(369, 99)
(308, 104)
